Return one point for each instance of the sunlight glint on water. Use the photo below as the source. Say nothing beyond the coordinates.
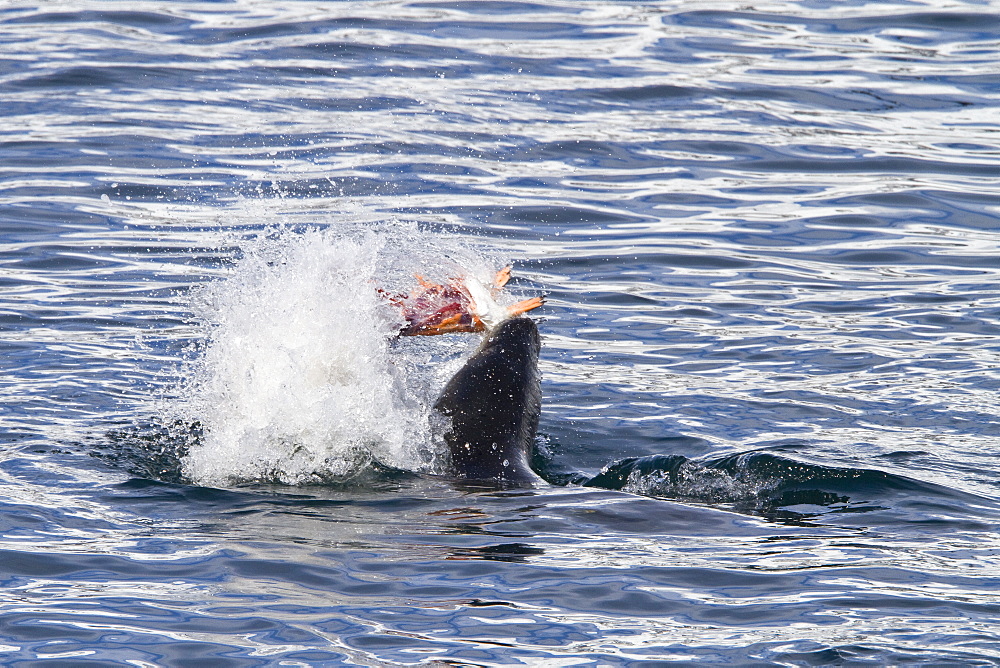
(769, 239)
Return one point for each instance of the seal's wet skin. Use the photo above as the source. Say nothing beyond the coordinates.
(494, 403)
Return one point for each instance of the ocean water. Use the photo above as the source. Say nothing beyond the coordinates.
(769, 236)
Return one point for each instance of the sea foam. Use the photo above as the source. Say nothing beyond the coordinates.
(300, 376)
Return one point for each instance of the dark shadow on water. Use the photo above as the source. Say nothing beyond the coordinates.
(508, 552)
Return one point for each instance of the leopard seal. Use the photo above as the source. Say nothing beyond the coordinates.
(493, 404)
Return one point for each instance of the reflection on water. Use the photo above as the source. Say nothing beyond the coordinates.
(769, 240)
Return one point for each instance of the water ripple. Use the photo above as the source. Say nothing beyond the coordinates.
(769, 240)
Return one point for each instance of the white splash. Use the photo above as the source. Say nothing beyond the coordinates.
(301, 377)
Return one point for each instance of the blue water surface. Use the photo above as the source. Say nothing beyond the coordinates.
(770, 242)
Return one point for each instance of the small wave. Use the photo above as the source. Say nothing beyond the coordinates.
(763, 483)
(677, 477)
